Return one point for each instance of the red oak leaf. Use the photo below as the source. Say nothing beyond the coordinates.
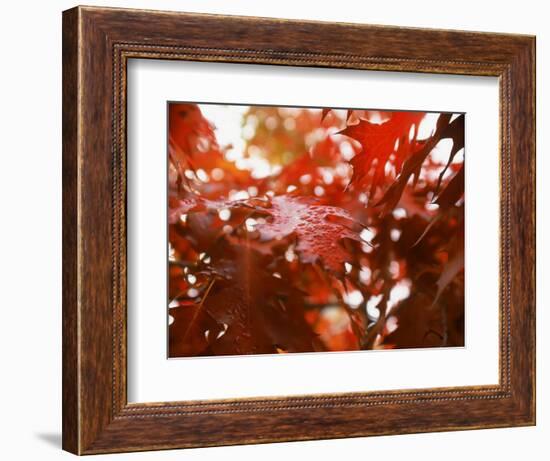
(193, 145)
(445, 129)
(191, 331)
(260, 315)
(325, 112)
(306, 171)
(378, 142)
(244, 309)
(319, 230)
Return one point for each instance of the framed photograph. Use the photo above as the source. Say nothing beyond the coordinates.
(281, 230)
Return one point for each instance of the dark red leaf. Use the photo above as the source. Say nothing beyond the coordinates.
(319, 230)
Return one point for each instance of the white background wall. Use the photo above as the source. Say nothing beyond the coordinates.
(30, 229)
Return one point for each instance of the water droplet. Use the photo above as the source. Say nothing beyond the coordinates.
(224, 214)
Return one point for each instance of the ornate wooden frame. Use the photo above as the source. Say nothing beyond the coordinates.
(97, 43)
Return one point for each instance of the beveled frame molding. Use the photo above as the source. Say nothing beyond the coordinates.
(97, 43)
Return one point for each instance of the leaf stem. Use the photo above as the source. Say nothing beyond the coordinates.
(199, 307)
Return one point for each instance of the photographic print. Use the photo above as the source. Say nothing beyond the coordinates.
(303, 229)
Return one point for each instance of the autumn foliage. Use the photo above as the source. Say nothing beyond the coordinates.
(325, 230)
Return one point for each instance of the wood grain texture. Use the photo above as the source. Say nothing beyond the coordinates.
(70, 383)
(97, 43)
